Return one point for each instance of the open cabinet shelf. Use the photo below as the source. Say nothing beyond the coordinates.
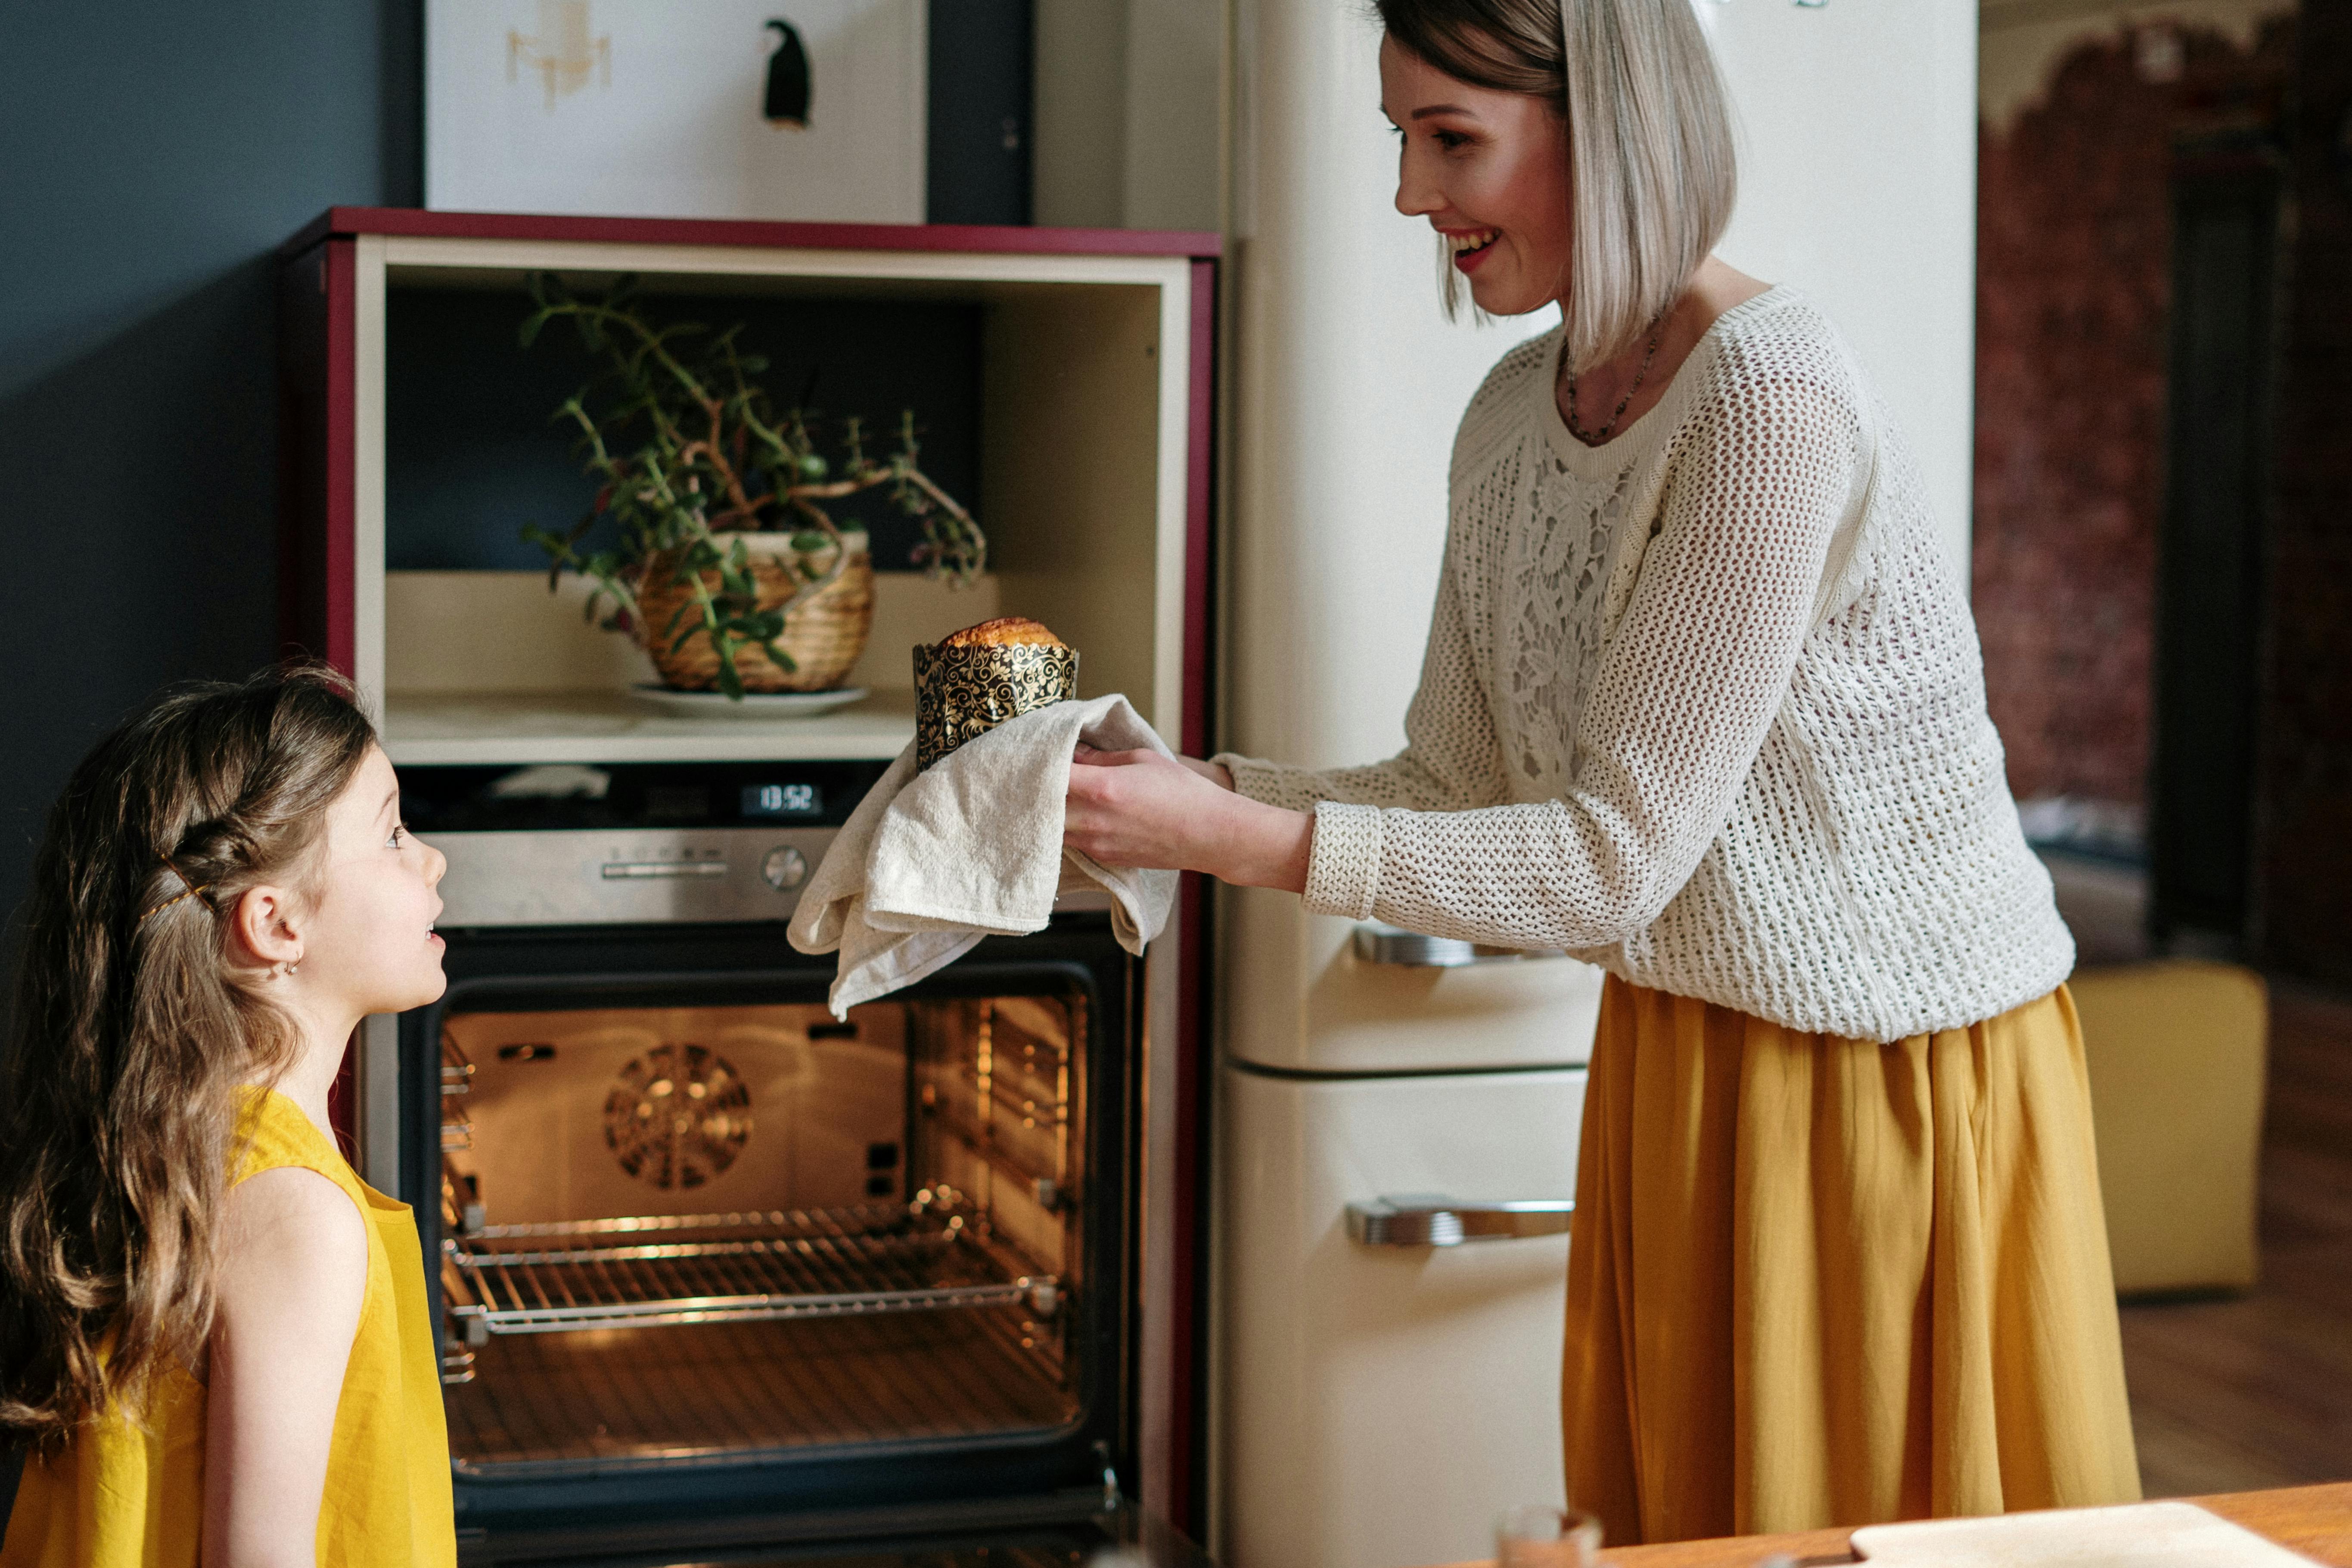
(492, 728)
(1087, 431)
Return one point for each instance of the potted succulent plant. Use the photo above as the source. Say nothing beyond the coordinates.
(730, 573)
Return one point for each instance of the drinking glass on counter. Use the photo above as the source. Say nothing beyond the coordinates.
(1536, 1536)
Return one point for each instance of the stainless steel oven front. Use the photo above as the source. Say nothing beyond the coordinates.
(715, 1269)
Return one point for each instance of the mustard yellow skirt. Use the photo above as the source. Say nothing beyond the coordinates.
(1819, 1281)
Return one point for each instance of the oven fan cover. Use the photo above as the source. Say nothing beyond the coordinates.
(677, 1116)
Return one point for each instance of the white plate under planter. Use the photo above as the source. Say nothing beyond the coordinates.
(752, 705)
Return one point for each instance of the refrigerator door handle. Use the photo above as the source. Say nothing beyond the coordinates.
(1427, 1219)
(1385, 944)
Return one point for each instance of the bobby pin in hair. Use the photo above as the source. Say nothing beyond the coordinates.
(188, 889)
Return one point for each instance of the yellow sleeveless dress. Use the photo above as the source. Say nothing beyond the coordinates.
(130, 1494)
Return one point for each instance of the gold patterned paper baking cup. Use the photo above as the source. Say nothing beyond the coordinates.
(961, 692)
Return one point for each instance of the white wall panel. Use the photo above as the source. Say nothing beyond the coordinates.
(1858, 183)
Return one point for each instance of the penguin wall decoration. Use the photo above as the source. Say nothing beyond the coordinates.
(689, 108)
(787, 102)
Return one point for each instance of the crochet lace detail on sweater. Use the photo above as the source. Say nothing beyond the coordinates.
(1551, 593)
(1703, 705)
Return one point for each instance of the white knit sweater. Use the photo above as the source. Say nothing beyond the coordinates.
(1703, 705)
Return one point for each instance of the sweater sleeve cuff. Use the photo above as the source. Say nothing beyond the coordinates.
(1343, 863)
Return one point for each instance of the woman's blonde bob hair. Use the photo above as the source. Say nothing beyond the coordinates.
(1652, 174)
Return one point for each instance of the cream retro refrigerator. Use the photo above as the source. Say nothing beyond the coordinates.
(1397, 1124)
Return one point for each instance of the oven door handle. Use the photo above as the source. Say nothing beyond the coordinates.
(1427, 1219)
(633, 871)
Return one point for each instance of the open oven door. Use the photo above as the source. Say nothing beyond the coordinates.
(718, 1270)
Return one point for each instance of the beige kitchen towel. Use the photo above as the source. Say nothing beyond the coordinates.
(930, 863)
(2171, 1534)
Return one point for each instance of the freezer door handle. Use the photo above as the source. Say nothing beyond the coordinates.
(1427, 1219)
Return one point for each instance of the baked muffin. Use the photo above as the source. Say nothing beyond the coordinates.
(973, 680)
(1005, 631)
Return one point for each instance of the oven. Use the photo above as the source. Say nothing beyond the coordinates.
(718, 1272)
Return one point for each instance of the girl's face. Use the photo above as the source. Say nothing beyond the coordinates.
(368, 942)
(1490, 169)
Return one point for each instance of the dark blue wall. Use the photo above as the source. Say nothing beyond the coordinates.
(471, 451)
(151, 156)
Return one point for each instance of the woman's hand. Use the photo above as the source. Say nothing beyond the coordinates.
(1140, 808)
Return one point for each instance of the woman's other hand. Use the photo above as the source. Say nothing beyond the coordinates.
(1216, 774)
(1140, 808)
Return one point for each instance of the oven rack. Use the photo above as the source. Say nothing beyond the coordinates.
(856, 1260)
(856, 1218)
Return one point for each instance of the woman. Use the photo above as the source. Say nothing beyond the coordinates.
(1702, 703)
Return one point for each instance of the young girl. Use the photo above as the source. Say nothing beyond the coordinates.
(1702, 703)
(214, 1342)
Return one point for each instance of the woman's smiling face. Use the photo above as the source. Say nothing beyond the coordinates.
(1489, 171)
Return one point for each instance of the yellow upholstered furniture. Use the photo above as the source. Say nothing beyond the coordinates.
(2176, 1051)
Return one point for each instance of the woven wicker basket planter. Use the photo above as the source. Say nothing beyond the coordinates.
(824, 636)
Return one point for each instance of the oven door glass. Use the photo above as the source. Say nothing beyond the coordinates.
(669, 1233)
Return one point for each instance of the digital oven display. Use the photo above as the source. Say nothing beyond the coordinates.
(783, 801)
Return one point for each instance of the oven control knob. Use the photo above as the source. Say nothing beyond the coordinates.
(785, 869)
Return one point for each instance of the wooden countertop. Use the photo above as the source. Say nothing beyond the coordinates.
(2314, 1520)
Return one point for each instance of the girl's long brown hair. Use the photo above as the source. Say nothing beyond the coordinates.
(129, 1036)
